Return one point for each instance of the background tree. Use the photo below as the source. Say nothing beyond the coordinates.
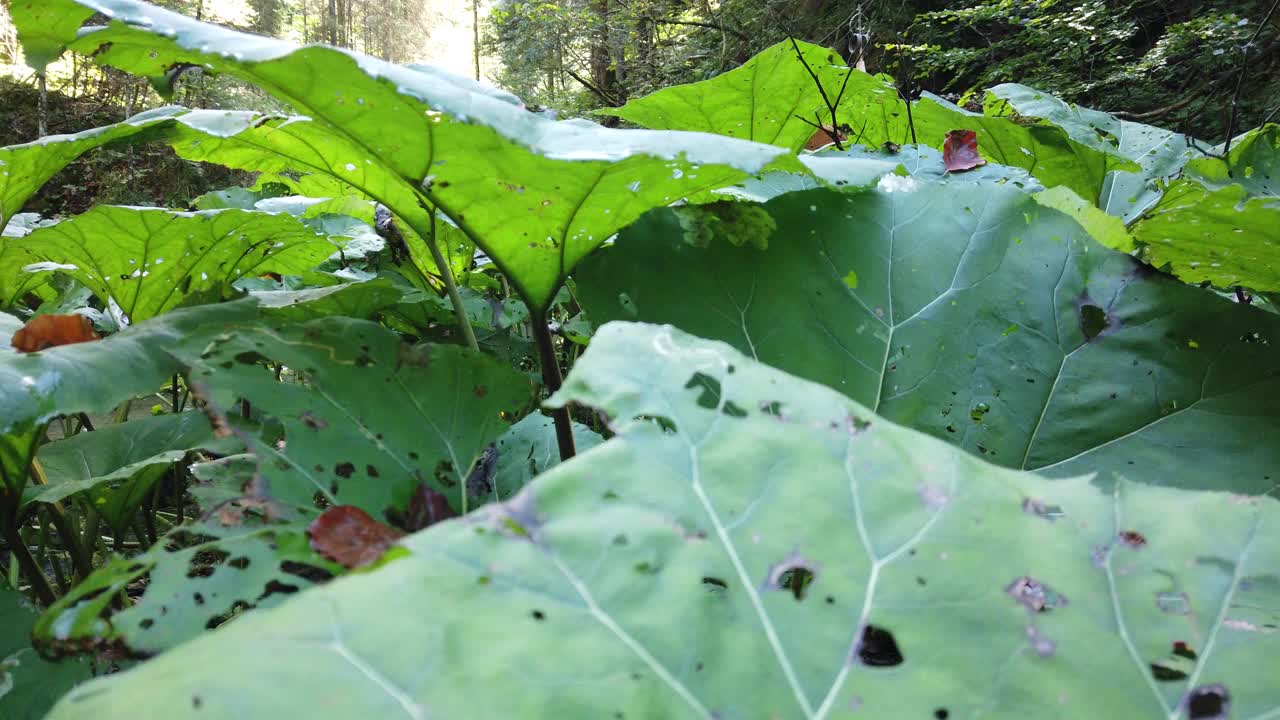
(1176, 61)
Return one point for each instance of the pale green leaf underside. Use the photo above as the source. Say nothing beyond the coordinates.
(641, 579)
(147, 261)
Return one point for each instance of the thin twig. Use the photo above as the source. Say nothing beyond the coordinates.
(832, 108)
(1244, 70)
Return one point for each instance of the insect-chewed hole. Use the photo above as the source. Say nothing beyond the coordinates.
(797, 580)
(878, 648)
(1208, 702)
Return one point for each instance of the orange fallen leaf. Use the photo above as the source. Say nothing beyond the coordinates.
(824, 137)
(348, 536)
(960, 151)
(46, 331)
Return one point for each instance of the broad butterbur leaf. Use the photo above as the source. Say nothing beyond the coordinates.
(94, 377)
(250, 554)
(367, 418)
(745, 103)
(978, 315)
(146, 261)
(717, 559)
(1126, 194)
(1217, 224)
(25, 168)
(29, 685)
(535, 194)
(116, 465)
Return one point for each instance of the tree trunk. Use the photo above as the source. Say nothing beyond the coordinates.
(475, 29)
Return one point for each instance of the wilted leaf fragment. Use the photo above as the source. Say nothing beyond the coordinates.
(348, 536)
(960, 151)
(46, 331)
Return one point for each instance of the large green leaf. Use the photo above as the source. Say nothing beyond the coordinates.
(146, 261)
(535, 194)
(771, 98)
(29, 685)
(368, 419)
(721, 560)
(1217, 224)
(976, 315)
(1252, 163)
(529, 449)
(25, 168)
(94, 377)
(743, 99)
(1160, 153)
(1223, 237)
(250, 553)
(116, 465)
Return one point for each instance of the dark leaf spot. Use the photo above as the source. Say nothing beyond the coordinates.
(344, 470)
(715, 584)
(941, 714)
(538, 615)
(1133, 538)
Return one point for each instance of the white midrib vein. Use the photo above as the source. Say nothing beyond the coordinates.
(744, 578)
(623, 636)
(411, 707)
(873, 577)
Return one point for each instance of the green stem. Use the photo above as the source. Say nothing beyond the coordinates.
(450, 285)
(552, 379)
(30, 570)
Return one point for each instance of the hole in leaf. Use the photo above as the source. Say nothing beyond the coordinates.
(1034, 595)
(1031, 506)
(715, 584)
(1093, 320)
(1208, 702)
(709, 398)
(1173, 603)
(1164, 673)
(878, 648)
(794, 575)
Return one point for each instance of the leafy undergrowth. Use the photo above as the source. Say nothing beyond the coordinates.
(962, 414)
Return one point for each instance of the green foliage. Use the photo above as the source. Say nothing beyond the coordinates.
(1038, 313)
(824, 545)
(29, 685)
(978, 316)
